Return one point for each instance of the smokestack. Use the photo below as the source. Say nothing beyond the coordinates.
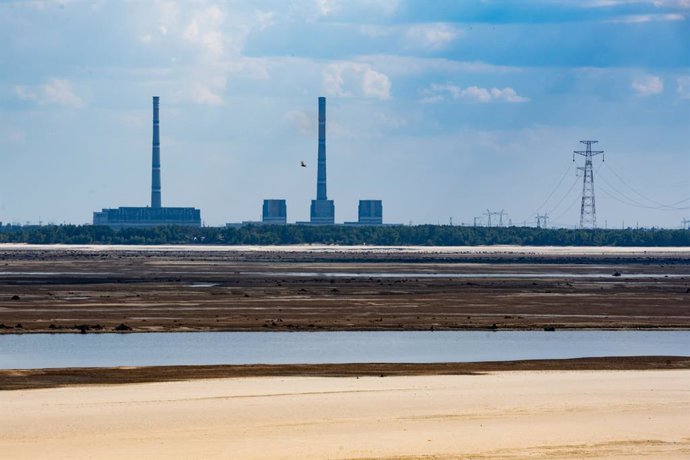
(156, 159)
(321, 177)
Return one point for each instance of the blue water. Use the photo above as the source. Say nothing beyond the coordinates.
(104, 350)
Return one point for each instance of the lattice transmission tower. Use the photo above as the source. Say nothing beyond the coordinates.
(588, 209)
(500, 215)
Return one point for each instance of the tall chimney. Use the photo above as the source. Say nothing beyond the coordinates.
(156, 159)
(321, 177)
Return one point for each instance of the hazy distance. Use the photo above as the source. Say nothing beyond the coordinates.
(440, 109)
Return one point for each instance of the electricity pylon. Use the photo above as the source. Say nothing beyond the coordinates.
(588, 210)
(500, 215)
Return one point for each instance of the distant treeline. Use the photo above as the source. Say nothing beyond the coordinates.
(422, 235)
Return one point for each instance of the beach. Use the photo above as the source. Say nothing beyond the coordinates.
(511, 414)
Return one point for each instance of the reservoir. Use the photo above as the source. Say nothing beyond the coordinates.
(30, 351)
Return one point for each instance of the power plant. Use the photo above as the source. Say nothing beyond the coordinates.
(322, 209)
(156, 215)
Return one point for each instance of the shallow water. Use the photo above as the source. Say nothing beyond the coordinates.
(151, 349)
(462, 275)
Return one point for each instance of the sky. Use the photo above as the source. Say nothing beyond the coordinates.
(442, 109)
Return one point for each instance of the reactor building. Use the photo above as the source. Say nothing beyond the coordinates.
(155, 215)
(370, 212)
(274, 212)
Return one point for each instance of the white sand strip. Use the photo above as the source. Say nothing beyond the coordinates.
(320, 248)
(554, 414)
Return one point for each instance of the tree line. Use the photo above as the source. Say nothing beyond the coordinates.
(402, 235)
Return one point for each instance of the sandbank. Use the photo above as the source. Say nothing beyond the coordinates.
(515, 414)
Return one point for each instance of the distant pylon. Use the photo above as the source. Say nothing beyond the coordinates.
(542, 218)
(500, 215)
(588, 210)
(488, 215)
(686, 224)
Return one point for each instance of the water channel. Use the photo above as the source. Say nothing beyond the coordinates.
(27, 351)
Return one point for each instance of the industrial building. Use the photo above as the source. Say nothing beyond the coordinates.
(274, 212)
(370, 212)
(322, 209)
(156, 215)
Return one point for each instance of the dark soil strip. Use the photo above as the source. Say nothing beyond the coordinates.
(51, 378)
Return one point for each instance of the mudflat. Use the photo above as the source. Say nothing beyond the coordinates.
(23, 379)
(523, 414)
(195, 288)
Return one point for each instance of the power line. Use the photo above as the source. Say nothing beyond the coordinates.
(564, 196)
(556, 187)
(570, 206)
(661, 205)
(627, 200)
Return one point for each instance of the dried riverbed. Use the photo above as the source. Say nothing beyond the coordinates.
(63, 289)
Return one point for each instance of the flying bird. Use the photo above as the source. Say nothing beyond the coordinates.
(303, 164)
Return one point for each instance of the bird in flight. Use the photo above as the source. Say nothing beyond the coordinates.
(303, 164)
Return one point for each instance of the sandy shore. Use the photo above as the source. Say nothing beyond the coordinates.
(25, 379)
(523, 414)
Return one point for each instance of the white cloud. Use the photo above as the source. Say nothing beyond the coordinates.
(301, 121)
(334, 81)
(683, 87)
(507, 95)
(326, 7)
(205, 42)
(54, 92)
(204, 30)
(647, 85)
(376, 84)
(264, 19)
(439, 92)
(432, 36)
(672, 3)
(656, 3)
(642, 18)
(376, 31)
(311, 10)
(203, 95)
(348, 79)
(398, 65)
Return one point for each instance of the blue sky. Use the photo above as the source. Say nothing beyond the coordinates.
(441, 108)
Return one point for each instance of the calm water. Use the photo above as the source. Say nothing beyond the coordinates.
(465, 275)
(104, 350)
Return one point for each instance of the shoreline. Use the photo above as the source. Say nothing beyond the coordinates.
(483, 248)
(24, 379)
(9, 330)
(494, 415)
